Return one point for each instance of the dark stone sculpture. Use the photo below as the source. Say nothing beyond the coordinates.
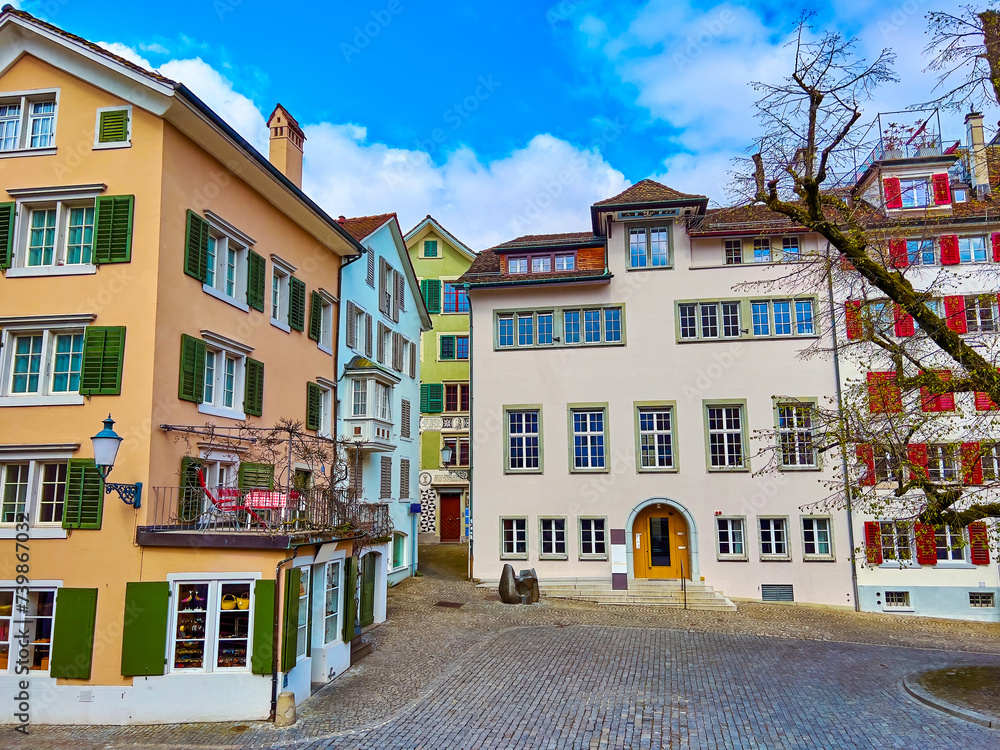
(521, 589)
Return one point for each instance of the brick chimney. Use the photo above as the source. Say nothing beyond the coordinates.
(286, 144)
(976, 141)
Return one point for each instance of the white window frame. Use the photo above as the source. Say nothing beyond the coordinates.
(225, 234)
(910, 192)
(522, 439)
(955, 544)
(216, 344)
(796, 323)
(392, 552)
(894, 554)
(972, 251)
(35, 460)
(590, 440)
(981, 313)
(215, 582)
(519, 526)
(14, 623)
(702, 310)
(327, 301)
(816, 531)
(919, 253)
(778, 527)
(594, 531)
(127, 143)
(787, 252)
(62, 200)
(655, 434)
(48, 327)
(943, 462)
(762, 250)
(22, 146)
(991, 462)
(732, 251)
(337, 599)
(280, 275)
(735, 525)
(796, 434)
(904, 605)
(647, 249)
(360, 400)
(743, 464)
(302, 627)
(327, 391)
(553, 533)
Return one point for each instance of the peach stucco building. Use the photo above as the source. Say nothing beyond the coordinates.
(158, 268)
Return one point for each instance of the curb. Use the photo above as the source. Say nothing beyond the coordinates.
(912, 686)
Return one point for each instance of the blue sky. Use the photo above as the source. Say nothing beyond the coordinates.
(498, 118)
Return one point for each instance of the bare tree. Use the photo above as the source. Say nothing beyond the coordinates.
(809, 135)
(964, 50)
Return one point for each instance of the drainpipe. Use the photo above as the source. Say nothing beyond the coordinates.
(274, 638)
(472, 442)
(843, 453)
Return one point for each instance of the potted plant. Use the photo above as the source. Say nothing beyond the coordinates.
(927, 145)
(893, 139)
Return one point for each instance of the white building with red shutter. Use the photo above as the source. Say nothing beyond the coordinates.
(936, 217)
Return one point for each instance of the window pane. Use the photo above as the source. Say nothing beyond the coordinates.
(571, 326)
(734, 252)
(565, 262)
(544, 328)
(27, 364)
(731, 319)
(612, 324)
(688, 321)
(80, 236)
(709, 321)
(803, 316)
(761, 322)
(15, 492)
(525, 330)
(782, 318)
(67, 359)
(41, 123)
(42, 237)
(10, 125)
(592, 326)
(762, 250)
(505, 334)
(588, 439)
(659, 246)
(542, 264)
(655, 447)
(637, 248)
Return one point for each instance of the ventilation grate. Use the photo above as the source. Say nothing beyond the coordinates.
(776, 592)
(452, 605)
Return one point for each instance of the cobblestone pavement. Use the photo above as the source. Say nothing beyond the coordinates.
(574, 675)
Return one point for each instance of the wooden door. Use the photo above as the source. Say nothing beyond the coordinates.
(451, 518)
(660, 544)
(367, 577)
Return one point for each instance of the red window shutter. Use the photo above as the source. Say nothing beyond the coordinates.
(942, 190)
(930, 401)
(904, 321)
(852, 310)
(873, 543)
(984, 402)
(866, 456)
(917, 453)
(995, 239)
(926, 546)
(949, 250)
(897, 253)
(972, 464)
(979, 543)
(893, 193)
(954, 312)
(884, 396)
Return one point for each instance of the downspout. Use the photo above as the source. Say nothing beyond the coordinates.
(472, 442)
(843, 453)
(274, 638)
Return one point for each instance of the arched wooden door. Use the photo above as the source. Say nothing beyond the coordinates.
(660, 544)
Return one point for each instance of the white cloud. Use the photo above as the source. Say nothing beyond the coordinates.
(545, 186)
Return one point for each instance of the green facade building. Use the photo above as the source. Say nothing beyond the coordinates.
(439, 260)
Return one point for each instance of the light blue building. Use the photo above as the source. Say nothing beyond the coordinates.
(378, 381)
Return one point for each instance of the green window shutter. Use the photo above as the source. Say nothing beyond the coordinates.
(113, 228)
(350, 606)
(425, 391)
(144, 635)
(296, 303)
(253, 396)
(196, 247)
(103, 358)
(259, 476)
(431, 290)
(73, 633)
(84, 506)
(314, 406)
(256, 281)
(435, 398)
(315, 315)
(191, 385)
(191, 494)
(262, 656)
(113, 127)
(447, 347)
(290, 622)
(6, 234)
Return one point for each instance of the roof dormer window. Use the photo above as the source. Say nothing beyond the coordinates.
(914, 193)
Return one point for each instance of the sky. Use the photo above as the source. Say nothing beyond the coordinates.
(500, 119)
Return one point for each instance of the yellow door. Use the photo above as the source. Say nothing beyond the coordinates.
(660, 544)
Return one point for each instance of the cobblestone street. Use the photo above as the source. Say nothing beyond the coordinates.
(574, 675)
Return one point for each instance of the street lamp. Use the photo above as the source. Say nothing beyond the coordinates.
(106, 444)
(446, 454)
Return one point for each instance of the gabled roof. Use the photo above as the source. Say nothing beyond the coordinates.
(648, 191)
(363, 227)
(487, 270)
(430, 221)
(360, 227)
(176, 104)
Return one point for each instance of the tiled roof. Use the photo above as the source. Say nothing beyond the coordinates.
(548, 240)
(648, 191)
(89, 45)
(360, 227)
(754, 218)
(487, 268)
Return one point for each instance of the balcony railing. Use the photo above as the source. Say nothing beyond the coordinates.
(261, 511)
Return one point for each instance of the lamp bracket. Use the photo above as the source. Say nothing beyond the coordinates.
(130, 494)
